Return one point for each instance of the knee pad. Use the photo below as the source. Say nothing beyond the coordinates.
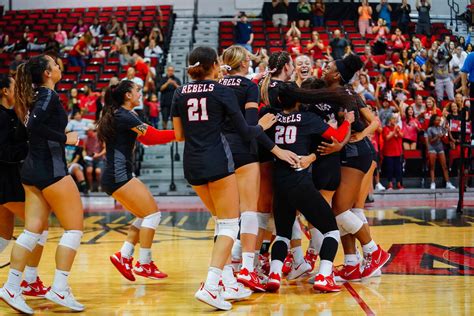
(229, 227)
(333, 234)
(152, 221)
(283, 239)
(3, 244)
(28, 240)
(359, 212)
(71, 239)
(296, 232)
(348, 222)
(249, 223)
(137, 223)
(43, 238)
(263, 220)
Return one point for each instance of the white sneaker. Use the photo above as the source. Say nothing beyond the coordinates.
(64, 298)
(379, 187)
(235, 292)
(433, 186)
(450, 186)
(15, 300)
(299, 270)
(212, 298)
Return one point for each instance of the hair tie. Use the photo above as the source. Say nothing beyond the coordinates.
(195, 65)
(226, 67)
(271, 71)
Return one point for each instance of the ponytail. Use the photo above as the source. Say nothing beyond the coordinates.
(24, 93)
(276, 63)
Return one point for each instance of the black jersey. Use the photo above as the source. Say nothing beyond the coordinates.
(203, 107)
(119, 151)
(295, 132)
(246, 91)
(275, 105)
(46, 124)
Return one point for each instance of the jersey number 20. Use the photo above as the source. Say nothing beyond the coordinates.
(197, 110)
(285, 135)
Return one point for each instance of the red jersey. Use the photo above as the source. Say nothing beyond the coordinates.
(393, 146)
(81, 45)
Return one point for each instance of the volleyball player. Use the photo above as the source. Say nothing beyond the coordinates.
(46, 182)
(13, 149)
(199, 110)
(303, 67)
(119, 128)
(237, 61)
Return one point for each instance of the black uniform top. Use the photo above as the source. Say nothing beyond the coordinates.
(275, 105)
(246, 91)
(46, 124)
(13, 139)
(295, 132)
(203, 107)
(119, 151)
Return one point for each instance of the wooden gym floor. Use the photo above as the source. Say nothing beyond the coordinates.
(431, 270)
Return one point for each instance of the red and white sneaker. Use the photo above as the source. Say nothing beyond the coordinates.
(149, 271)
(346, 273)
(265, 262)
(212, 298)
(36, 289)
(15, 300)
(236, 291)
(287, 264)
(297, 271)
(123, 265)
(374, 262)
(236, 264)
(273, 284)
(311, 257)
(325, 284)
(64, 298)
(250, 280)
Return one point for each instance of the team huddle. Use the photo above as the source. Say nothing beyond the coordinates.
(259, 153)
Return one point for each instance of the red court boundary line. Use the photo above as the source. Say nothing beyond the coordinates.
(359, 300)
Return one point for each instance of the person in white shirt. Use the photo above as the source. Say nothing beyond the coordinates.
(139, 82)
(78, 124)
(458, 59)
(153, 50)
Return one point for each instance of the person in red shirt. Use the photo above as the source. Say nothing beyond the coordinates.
(431, 109)
(294, 48)
(141, 68)
(87, 101)
(392, 151)
(80, 50)
(370, 61)
(154, 110)
(315, 47)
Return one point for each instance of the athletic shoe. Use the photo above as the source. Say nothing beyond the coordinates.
(236, 264)
(36, 289)
(64, 298)
(311, 257)
(400, 186)
(347, 273)
(298, 271)
(262, 276)
(433, 186)
(390, 186)
(212, 298)
(15, 300)
(450, 186)
(123, 265)
(287, 264)
(235, 292)
(250, 280)
(264, 262)
(374, 262)
(273, 284)
(326, 284)
(149, 271)
(379, 187)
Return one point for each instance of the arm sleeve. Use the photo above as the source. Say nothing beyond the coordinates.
(153, 136)
(252, 95)
(339, 133)
(44, 105)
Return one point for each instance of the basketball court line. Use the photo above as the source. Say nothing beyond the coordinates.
(368, 311)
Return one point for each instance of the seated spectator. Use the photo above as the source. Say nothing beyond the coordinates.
(292, 32)
(112, 26)
(419, 106)
(243, 31)
(399, 41)
(124, 56)
(96, 28)
(446, 44)
(71, 41)
(424, 20)
(136, 46)
(365, 16)
(87, 101)
(52, 44)
(339, 45)
(369, 60)
(79, 51)
(458, 58)
(387, 62)
(141, 68)
(315, 47)
(60, 35)
(418, 84)
(364, 88)
(381, 83)
(123, 37)
(469, 48)
(294, 48)
(95, 158)
(4, 38)
(318, 68)
(140, 31)
(410, 128)
(280, 12)
(28, 41)
(75, 163)
(404, 16)
(261, 57)
(392, 152)
(431, 109)
(380, 40)
(417, 70)
(319, 10)
(156, 34)
(153, 110)
(80, 28)
(73, 104)
(17, 61)
(399, 76)
(303, 10)
(435, 133)
(384, 9)
(152, 50)
(77, 124)
(99, 52)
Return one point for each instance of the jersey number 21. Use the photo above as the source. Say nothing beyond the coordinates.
(197, 110)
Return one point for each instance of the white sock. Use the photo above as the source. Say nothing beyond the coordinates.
(350, 260)
(298, 255)
(369, 248)
(228, 277)
(316, 239)
(31, 273)
(325, 268)
(145, 255)
(3, 244)
(276, 266)
(127, 250)
(14, 280)
(237, 250)
(248, 259)
(213, 276)
(60, 280)
(359, 257)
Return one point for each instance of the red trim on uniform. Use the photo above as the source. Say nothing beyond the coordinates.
(339, 133)
(153, 136)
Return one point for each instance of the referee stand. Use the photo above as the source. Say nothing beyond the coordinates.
(465, 171)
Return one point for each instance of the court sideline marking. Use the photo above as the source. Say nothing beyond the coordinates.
(359, 300)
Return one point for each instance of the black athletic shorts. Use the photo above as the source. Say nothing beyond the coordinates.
(42, 184)
(165, 113)
(241, 160)
(196, 182)
(11, 189)
(361, 163)
(327, 172)
(110, 188)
